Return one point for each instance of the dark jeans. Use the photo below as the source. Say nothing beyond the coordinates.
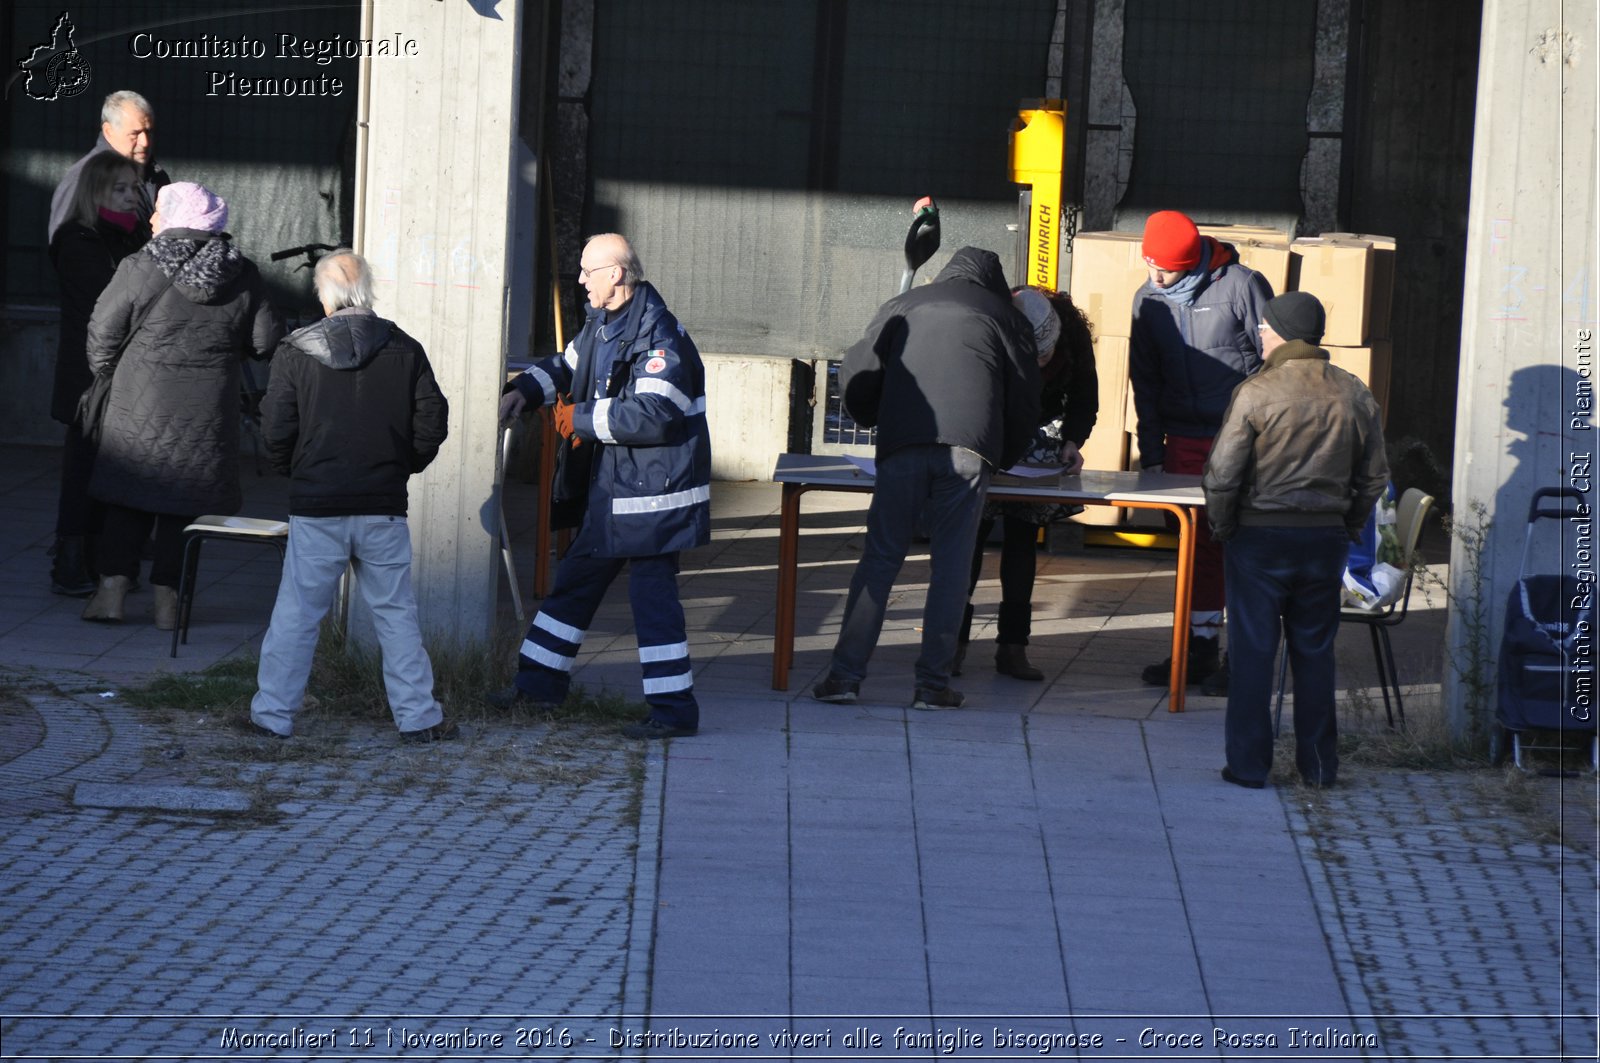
(948, 484)
(1019, 546)
(1283, 580)
(122, 541)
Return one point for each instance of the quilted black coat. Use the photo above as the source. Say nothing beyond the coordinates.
(171, 438)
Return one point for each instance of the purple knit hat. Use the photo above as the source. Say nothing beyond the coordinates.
(186, 205)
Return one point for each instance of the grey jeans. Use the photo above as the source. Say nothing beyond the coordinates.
(319, 548)
(948, 484)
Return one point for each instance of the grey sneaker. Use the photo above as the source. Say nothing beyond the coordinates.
(836, 689)
(948, 698)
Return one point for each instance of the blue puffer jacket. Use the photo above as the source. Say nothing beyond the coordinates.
(650, 469)
(1185, 361)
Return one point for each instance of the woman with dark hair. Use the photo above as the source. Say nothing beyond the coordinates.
(184, 312)
(102, 228)
(1069, 405)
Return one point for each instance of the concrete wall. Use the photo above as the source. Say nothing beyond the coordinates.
(435, 220)
(747, 412)
(1528, 320)
(27, 375)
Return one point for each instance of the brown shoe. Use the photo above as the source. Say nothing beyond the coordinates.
(106, 605)
(443, 731)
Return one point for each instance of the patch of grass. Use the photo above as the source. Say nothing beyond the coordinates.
(223, 688)
(346, 715)
(1541, 808)
(1367, 744)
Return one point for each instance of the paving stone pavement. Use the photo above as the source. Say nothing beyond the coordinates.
(1062, 846)
(1466, 933)
(418, 882)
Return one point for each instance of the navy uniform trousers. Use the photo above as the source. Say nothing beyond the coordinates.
(544, 664)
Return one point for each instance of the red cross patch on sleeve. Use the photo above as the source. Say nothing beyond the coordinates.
(657, 362)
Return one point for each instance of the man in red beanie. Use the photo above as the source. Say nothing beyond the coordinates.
(1195, 337)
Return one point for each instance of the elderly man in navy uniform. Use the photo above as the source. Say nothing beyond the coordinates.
(630, 404)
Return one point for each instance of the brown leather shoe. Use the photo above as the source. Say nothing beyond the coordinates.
(443, 731)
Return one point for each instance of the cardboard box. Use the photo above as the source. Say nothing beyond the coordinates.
(1372, 363)
(1261, 248)
(1107, 269)
(1270, 258)
(1234, 233)
(1383, 265)
(1339, 273)
(1107, 446)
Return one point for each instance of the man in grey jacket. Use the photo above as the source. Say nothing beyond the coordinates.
(127, 127)
(352, 411)
(1291, 479)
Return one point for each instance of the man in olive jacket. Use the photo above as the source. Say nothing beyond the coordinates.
(352, 411)
(1289, 485)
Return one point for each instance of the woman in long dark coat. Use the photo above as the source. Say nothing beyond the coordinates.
(101, 230)
(1068, 407)
(191, 307)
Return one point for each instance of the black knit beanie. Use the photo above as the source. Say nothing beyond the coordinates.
(1297, 316)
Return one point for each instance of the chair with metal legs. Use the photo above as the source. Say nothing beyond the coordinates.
(274, 533)
(1410, 514)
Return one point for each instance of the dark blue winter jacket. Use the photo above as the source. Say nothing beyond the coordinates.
(650, 468)
(1185, 361)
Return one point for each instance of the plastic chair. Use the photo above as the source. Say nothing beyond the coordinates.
(1410, 514)
(274, 533)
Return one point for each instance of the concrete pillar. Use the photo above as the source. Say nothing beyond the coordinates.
(435, 179)
(1528, 321)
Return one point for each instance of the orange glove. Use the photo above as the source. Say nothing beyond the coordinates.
(564, 420)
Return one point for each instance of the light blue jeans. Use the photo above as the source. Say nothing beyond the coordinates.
(319, 548)
(949, 484)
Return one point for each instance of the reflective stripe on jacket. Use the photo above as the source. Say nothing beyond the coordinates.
(650, 479)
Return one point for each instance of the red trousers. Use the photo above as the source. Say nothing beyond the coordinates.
(1186, 454)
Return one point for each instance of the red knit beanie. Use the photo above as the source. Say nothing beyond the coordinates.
(1171, 241)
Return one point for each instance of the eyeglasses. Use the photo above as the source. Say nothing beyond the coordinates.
(584, 271)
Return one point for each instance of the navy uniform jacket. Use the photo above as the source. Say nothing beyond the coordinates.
(649, 484)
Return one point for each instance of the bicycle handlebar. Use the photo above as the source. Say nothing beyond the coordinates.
(304, 249)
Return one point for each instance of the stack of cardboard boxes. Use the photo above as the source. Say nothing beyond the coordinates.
(1352, 274)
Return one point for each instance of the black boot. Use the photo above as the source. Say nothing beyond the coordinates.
(1011, 659)
(1216, 684)
(1204, 658)
(70, 573)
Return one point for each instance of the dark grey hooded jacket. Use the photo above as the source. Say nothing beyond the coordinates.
(171, 437)
(352, 411)
(951, 362)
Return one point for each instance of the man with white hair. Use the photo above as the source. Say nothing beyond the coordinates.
(127, 127)
(630, 405)
(352, 411)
